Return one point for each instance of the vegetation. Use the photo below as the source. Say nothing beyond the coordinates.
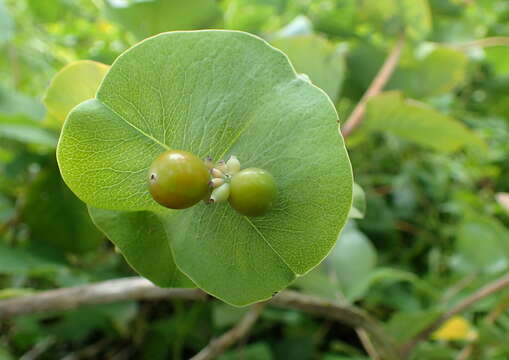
(420, 91)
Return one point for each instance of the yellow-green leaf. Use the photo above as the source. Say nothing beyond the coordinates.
(72, 85)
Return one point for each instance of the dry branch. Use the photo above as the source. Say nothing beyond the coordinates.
(141, 289)
(217, 346)
(482, 293)
(378, 83)
(104, 292)
(486, 42)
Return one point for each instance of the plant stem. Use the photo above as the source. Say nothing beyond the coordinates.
(217, 346)
(142, 289)
(378, 83)
(482, 293)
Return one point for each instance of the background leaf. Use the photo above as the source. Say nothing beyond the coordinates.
(418, 75)
(19, 261)
(483, 243)
(145, 18)
(26, 130)
(440, 71)
(61, 95)
(316, 57)
(352, 259)
(393, 16)
(359, 203)
(418, 123)
(57, 217)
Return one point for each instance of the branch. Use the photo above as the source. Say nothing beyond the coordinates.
(103, 292)
(217, 346)
(347, 314)
(375, 87)
(141, 289)
(487, 42)
(482, 293)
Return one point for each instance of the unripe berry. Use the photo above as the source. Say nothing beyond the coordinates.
(252, 191)
(178, 179)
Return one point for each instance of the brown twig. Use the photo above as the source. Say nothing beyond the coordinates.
(457, 288)
(15, 70)
(375, 87)
(103, 292)
(487, 42)
(217, 346)
(492, 316)
(482, 293)
(347, 314)
(141, 289)
(40, 348)
(466, 352)
(367, 344)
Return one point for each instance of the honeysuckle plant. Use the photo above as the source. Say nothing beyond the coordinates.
(225, 95)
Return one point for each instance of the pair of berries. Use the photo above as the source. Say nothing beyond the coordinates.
(178, 180)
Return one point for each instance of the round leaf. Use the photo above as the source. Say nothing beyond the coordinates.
(216, 93)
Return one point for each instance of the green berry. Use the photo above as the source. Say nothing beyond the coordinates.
(178, 179)
(252, 191)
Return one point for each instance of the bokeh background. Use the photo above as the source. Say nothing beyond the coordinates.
(431, 158)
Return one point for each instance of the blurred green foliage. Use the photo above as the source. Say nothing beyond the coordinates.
(430, 159)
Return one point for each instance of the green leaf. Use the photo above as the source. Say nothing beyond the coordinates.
(414, 16)
(14, 103)
(348, 266)
(256, 351)
(48, 10)
(216, 93)
(417, 123)
(496, 57)
(23, 129)
(483, 242)
(316, 57)
(5, 354)
(359, 203)
(150, 17)
(337, 17)
(398, 324)
(317, 282)
(389, 276)
(338, 357)
(143, 241)
(63, 94)
(417, 17)
(352, 259)
(254, 16)
(18, 261)
(437, 73)
(225, 315)
(56, 216)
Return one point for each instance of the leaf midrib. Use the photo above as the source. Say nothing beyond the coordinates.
(269, 244)
(229, 146)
